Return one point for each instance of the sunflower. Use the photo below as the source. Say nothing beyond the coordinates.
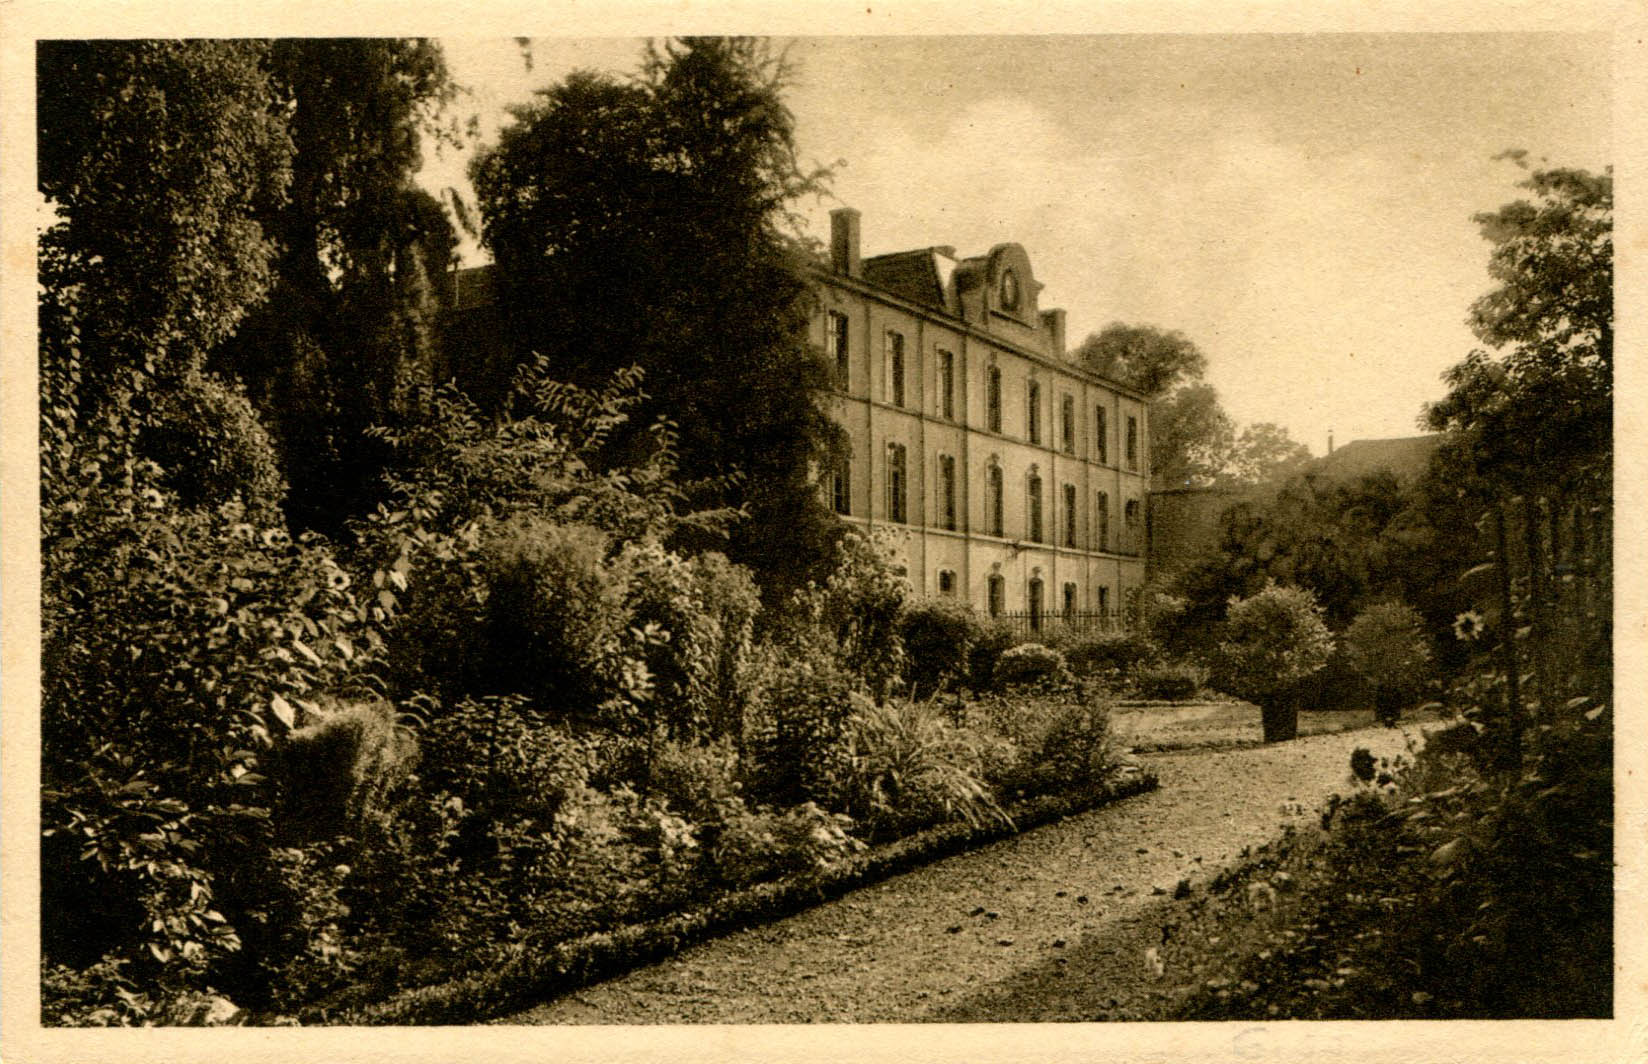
(1469, 626)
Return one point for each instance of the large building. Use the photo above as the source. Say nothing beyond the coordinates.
(1015, 478)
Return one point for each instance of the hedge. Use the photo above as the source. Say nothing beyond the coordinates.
(533, 976)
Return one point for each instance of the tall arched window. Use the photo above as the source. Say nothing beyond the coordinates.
(996, 495)
(998, 595)
(1035, 604)
(1034, 531)
(1032, 415)
(992, 398)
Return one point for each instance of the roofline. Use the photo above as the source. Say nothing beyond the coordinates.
(863, 287)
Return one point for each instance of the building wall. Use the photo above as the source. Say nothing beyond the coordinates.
(1025, 348)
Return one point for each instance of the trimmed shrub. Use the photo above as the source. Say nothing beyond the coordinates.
(1170, 682)
(1110, 656)
(1387, 646)
(938, 637)
(1029, 663)
(1272, 640)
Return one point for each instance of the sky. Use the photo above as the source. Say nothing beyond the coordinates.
(1298, 205)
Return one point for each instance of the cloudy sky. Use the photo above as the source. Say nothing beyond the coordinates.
(1298, 205)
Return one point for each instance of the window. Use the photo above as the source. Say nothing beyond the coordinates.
(1009, 290)
(946, 582)
(897, 483)
(835, 347)
(1101, 434)
(1035, 604)
(1070, 515)
(992, 399)
(1035, 509)
(1033, 415)
(1104, 601)
(841, 486)
(1101, 518)
(996, 528)
(1130, 525)
(895, 366)
(1069, 602)
(947, 491)
(1068, 429)
(998, 595)
(1132, 442)
(947, 384)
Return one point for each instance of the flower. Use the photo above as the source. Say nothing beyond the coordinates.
(276, 537)
(337, 579)
(1469, 625)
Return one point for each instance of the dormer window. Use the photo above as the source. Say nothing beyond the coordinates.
(1009, 290)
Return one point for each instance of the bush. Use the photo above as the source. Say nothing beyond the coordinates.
(556, 615)
(858, 610)
(338, 770)
(1043, 743)
(1387, 646)
(761, 844)
(1030, 663)
(799, 742)
(911, 768)
(1170, 682)
(992, 640)
(1272, 640)
(938, 637)
(207, 437)
(1111, 657)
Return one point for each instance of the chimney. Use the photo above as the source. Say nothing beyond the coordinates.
(1330, 441)
(1054, 321)
(844, 242)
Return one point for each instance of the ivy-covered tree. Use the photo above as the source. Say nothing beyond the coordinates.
(648, 222)
(346, 339)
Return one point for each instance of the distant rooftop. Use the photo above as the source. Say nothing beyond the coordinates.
(1405, 456)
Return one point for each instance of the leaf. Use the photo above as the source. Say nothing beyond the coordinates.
(283, 711)
(1476, 570)
(303, 648)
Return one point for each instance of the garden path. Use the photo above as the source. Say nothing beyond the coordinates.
(971, 935)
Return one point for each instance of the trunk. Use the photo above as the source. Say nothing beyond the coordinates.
(1509, 739)
(1280, 718)
(1538, 633)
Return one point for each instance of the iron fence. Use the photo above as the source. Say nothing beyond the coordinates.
(1044, 622)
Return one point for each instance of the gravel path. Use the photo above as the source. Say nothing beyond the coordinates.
(969, 936)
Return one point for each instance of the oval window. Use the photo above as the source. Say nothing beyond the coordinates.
(1010, 290)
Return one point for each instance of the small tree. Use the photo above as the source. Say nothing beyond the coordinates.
(1387, 646)
(1273, 640)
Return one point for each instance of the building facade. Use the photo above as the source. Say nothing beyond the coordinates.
(1014, 479)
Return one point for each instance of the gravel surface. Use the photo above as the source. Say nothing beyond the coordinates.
(972, 936)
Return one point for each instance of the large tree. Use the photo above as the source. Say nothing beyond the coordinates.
(347, 338)
(647, 222)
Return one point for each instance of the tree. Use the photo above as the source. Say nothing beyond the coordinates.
(157, 158)
(1152, 360)
(1272, 641)
(347, 338)
(1264, 453)
(647, 222)
(1529, 433)
(1192, 439)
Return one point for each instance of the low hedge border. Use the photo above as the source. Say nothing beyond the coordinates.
(531, 976)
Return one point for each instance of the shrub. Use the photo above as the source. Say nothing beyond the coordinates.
(757, 845)
(207, 437)
(1272, 640)
(911, 767)
(1170, 682)
(992, 640)
(799, 742)
(1030, 663)
(1111, 657)
(858, 609)
(338, 770)
(556, 615)
(938, 637)
(1043, 742)
(1387, 646)
(1075, 748)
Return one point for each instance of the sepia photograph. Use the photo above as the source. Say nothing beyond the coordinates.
(780, 533)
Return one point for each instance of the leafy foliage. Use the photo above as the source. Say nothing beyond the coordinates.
(1387, 645)
(912, 767)
(1271, 641)
(707, 296)
(938, 637)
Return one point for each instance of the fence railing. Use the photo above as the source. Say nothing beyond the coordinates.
(1043, 622)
